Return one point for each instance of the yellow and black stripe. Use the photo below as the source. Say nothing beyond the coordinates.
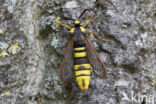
(81, 65)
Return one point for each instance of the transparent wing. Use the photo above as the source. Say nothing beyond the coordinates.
(65, 71)
(99, 68)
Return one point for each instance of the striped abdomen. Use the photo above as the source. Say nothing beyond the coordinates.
(81, 65)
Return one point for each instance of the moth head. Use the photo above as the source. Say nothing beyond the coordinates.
(77, 22)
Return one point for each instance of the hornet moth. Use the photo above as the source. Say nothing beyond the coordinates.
(80, 55)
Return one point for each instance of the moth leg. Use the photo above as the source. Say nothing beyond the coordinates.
(88, 21)
(64, 25)
(97, 37)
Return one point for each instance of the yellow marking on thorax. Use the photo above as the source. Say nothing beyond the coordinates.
(87, 66)
(79, 49)
(72, 30)
(82, 29)
(86, 82)
(80, 72)
(80, 54)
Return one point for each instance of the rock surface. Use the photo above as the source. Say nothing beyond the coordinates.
(29, 69)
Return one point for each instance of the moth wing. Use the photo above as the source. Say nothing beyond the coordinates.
(99, 68)
(65, 71)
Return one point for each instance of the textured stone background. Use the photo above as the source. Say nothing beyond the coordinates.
(31, 75)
